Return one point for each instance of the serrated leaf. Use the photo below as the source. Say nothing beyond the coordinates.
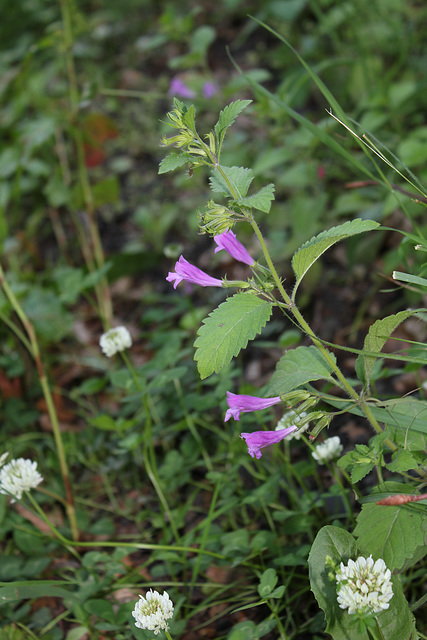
(391, 533)
(296, 367)
(314, 248)
(239, 178)
(228, 329)
(172, 161)
(261, 200)
(402, 460)
(228, 115)
(376, 338)
(189, 118)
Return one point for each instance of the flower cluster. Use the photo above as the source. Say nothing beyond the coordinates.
(293, 418)
(152, 611)
(18, 476)
(328, 450)
(364, 586)
(115, 340)
(237, 403)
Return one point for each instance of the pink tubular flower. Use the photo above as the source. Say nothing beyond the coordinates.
(186, 271)
(238, 404)
(179, 88)
(259, 439)
(229, 242)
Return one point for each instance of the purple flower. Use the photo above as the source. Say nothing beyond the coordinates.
(229, 242)
(186, 271)
(238, 404)
(179, 88)
(259, 439)
(209, 89)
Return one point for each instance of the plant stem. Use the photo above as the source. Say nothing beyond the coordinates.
(35, 352)
(149, 453)
(101, 289)
(315, 340)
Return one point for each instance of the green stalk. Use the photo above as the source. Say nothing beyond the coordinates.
(35, 352)
(101, 289)
(315, 340)
(149, 454)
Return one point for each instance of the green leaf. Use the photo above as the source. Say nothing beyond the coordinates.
(101, 608)
(32, 590)
(314, 248)
(261, 200)
(395, 623)
(172, 161)
(340, 545)
(359, 462)
(243, 631)
(228, 115)
(378, 335)
(404, 415)
(296, 367)
(228, 329)
(239, 179)
(391, 533)
(402, 460)
(408, 277)
(189, 117)
(267, 583)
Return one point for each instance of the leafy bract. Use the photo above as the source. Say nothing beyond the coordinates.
(260, 200)
(173, 161)
(378, 335)
(391, 533)
(239, 180)
(395, 623)
(314, 248)
(228, 115)
(228, 329)
(296, 367)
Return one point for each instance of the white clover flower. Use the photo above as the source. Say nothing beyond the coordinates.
(293, 418)
(328, 450)
(364, 586)
(18, 476)
(152, 611)
(115, 340)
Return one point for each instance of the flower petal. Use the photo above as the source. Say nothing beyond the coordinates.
(229, 242)
(259, 439)
(238, 403)
(186, 271)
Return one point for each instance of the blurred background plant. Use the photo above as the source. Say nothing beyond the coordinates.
(85, 220)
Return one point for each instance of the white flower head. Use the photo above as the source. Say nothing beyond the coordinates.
(292, 418)
(115, 340)
(152, 611)
(328, 450)
(364, 586)
(18, 476)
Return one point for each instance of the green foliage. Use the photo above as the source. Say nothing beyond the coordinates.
(314, 248)
(378, 335)
(395, 534)
(228, 329)
(297, 367)
(165, 495)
